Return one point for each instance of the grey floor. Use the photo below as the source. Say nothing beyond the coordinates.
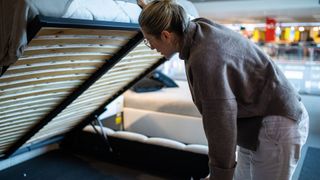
(313, 141)
(312, 104)
(63, 165)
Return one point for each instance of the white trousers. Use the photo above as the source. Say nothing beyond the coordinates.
(280, 143)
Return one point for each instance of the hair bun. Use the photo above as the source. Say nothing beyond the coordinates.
(168, 1)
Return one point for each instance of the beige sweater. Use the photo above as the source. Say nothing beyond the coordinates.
(231, 78)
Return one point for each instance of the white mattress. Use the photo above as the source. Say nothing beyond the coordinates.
(19, 12)
(186, 129)
(167, 100)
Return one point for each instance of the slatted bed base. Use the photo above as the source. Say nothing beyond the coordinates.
(69, 72)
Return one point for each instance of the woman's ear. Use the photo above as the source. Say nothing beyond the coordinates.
(141, 3)
(166, 35)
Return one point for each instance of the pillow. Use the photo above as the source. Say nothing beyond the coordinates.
(147, 85)
(162, 78)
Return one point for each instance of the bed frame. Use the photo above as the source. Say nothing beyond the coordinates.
(70, 70)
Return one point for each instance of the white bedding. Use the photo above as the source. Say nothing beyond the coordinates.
(168, 100)
(105, 10)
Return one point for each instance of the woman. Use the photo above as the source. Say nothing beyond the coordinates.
(243, 97)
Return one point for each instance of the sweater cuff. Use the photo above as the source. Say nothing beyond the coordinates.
(221, 174)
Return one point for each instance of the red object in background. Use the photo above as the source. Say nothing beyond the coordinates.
(270, 29)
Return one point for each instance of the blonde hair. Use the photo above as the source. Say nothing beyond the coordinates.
(160, 15)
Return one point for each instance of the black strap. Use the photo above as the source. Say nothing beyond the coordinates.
(248, 132)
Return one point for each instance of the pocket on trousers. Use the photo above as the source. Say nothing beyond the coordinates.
(297, 152)
(281, 129)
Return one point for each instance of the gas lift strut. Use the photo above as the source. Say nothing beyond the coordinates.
(103, 135)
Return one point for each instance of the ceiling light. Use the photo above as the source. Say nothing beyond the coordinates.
(301, 28)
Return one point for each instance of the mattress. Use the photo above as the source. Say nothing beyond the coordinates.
(167, 100)
(22, 12)
(19, 13)
(186, 129)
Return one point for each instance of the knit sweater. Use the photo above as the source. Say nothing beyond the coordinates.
(230, 79)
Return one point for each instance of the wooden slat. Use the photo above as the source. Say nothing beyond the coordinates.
(108, 88)
(43, 81)
(66, 41)
(140, 59)
(75, 110)
(88, 99)
(27, 120)
(137, 67)
(78, 31)
(144, 53)
(21, 117)
(3, 147)
(22, 108)
(35, 94)
(63, 58)
(32, 100)
(14, 129)
(69, 50)
(94, 99)
(52, 131)
(43, 87)
(116, 75)
(5, 144)
(135, 61)
(111, 78)
(46, 74)
(11, 138)
(84, 101)
(54, 67)
(7, 126)
(6, 116)
(102, 90)
(66, 119)
(20, 125)
(111, 73)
